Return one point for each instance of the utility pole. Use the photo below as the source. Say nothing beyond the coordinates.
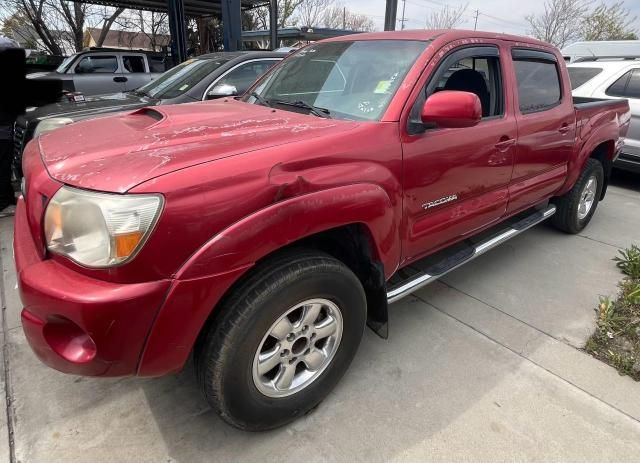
(402, 21)
(344, 18)
(475, 26)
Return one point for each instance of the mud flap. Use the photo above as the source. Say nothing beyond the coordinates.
(377, 306)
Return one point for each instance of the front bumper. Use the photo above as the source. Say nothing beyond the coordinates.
(77, 324)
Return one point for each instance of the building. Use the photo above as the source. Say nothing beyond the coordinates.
(126, 40)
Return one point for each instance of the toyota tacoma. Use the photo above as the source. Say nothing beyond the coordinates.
(260, 236)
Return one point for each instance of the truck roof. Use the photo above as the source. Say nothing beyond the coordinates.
(449, 35)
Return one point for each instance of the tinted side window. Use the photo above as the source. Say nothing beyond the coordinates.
(580, 76)
(618, 87)
(627, 86)
(538, 84)
(97, 64)
(243, 76)
(633, 87)
(156, 64)
(477, 75)
(133, 63)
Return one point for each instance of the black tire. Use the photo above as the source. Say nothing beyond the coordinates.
(566, 217)
(224, 360)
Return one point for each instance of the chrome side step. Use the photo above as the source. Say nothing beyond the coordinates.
(405, 288)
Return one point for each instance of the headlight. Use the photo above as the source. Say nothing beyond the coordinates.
(99, 229)
(53, 123)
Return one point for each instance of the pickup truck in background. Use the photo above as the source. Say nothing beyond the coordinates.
(96, 71)
(260, 235)
(207, 77)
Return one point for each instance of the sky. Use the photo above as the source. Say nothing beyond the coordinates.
(495, 15)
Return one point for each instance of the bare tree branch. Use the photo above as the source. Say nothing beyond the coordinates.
(448, 17)
(609, 23)
(561, 21)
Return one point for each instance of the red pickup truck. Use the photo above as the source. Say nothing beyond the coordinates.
(260, 235)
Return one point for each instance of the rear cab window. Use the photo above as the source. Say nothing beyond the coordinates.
(580, 75)
(538, 80)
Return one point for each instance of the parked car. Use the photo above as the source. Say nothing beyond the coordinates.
(613, 79)
(261, 234)
(102, 70)
(207, 77)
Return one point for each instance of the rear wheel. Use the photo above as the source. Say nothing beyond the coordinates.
(576, 207)
(283, 339)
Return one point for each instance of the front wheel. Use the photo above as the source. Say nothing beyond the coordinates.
(283, 339)
(576, 207)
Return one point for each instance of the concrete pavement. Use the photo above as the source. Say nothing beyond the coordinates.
(482, 366)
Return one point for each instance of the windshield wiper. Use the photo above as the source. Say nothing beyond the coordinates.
(260, 99)
(315, 110)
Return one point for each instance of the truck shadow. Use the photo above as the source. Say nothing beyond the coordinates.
(624, 179)
(397, 394)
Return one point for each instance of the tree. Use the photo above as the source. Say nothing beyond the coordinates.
(339, 17)
(154, 25)
(286, 15)
(59, 25)
(609, 23)
(106, 25)
(16, 26)
(310, 12)
(448, 17)
(560, 23)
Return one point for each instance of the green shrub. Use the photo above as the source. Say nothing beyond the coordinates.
(629, 261)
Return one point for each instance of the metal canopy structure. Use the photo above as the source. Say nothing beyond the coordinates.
(231, 13)
(229, 10)
(191, 7)
(297, 33)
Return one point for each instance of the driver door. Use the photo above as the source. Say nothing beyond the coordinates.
(456, 179)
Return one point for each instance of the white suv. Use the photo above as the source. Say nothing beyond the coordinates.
(613, 79)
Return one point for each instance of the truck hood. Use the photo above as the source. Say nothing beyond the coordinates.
(118, 152)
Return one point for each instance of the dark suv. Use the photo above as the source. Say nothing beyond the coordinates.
(207, 77)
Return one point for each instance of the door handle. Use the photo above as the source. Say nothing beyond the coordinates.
(119, 79)
(564, 129)
(505, 143)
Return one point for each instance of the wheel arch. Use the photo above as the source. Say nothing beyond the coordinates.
(357, 224)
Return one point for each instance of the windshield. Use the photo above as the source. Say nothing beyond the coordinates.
(181, 78)
(350, 80)
(580, 76)
(65, 64)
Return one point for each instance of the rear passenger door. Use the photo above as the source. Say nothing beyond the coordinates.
(134, 71)
(98, 73)
(546, 127)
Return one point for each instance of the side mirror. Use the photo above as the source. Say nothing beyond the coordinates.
(452, 109)
(222, 90)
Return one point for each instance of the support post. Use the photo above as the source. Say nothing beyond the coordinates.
(273, 23)
(231, 25)
(390, 15)
(178, 31)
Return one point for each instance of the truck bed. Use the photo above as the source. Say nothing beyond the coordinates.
(581, 102)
